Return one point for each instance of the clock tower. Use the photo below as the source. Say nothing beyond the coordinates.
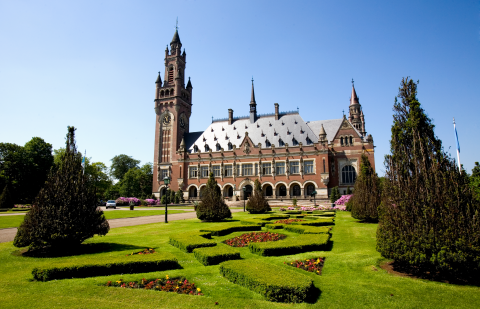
(173, 107)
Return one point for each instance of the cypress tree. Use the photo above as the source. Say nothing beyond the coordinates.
(334, 195)
(64, 213)
(257, 203)
(212, 207)
(367, 193)
(6, 198)
(428, 216)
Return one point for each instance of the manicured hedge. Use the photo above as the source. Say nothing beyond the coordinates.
(291, 245)
(293, 212)
(189, 242)
(107, 266)
(274, 282)
(279, 217)
(225, 230)
(216, 255)
(254, 222)
(298, 216)
(324, 213)
(304, 229)
(274, 226)
(318, 222)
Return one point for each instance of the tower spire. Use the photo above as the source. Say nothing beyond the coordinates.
(252, 100)
(253, 106)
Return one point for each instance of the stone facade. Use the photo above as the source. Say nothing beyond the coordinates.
(289, 156)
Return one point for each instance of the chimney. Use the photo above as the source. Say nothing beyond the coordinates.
(276, 111)
(230, 116)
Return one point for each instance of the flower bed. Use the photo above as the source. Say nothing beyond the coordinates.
(343, 200)
(311, 265)
(225, 230)
(245, 239)
(176, 285)
(145, 251)
(288, 221)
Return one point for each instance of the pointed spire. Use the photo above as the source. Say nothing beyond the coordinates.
(322, 130)
(353, 98)
(252, 100)
(182, 144)
(322, 136)
(176, 37)
(189, 84)
(159, 79)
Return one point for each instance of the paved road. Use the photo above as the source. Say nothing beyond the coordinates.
(9, 234)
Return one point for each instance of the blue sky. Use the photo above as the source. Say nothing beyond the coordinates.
(93, 65)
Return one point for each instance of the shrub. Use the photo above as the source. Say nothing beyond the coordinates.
(225, 230)
(274, 282)
(254, 222)
(65, 211)
(367, 193)
(112, 265)
(317, 222)
(257, 203)
(349, 204)
(126, 201)
(305, 229)
(334, 195)
(292, 245)
(428, 216)
(215, 255)
(343, 199)
(172, 196)
(274, 226)
(212, 207)
(294, 212)
(6, 198)
(179, 197)
(189, 242)
(294, 202)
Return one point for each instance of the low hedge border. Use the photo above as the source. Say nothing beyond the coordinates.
(274, 282)
(324, 213)
(279, 217)
(189, 242)
(254, 222)
(274, 226)
(298, 216)
(293, 212)
(225, 230)
(117, 265)
(291, 245)
(318, 222)
(216, 255)
(305, 229)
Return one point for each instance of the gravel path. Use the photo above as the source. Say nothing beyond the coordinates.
(9, 234)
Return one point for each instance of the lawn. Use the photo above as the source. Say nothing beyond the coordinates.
(15, 221)
(351, 276)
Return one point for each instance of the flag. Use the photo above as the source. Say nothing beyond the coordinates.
(458, 144)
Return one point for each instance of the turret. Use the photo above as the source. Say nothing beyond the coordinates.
(253, 106)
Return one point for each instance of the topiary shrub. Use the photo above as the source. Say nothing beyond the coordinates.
(212, 208)
(428, 217)
(334, 195)
(172, 196)
(65, 211)
(367, 193)
(6, 198)
(179, 197)
(257, 203)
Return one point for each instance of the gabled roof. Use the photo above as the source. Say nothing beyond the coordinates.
(331, 127)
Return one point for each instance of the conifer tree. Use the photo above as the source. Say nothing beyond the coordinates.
(367, 193)
(334, 195)
(257, 203)
(428, 216)
(6, 198)
(64, 213)
(212, 207)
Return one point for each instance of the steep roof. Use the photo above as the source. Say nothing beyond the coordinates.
(176, 37)
(331, 127)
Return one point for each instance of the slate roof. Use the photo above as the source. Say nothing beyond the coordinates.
(331, 127)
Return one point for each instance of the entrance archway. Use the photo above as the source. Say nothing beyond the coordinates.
(296, 190)
(282, 190)
(192, 192)
(268, 190)
(248, 191)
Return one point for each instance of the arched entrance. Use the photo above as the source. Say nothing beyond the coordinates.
(296, 190)
(282, 190)
(248, 191)
(310, 189)
(192, 192)
(202, 190)
(268, 190)
(228, 191)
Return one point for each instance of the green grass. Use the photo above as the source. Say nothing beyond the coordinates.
(15, 221)
(347, 281)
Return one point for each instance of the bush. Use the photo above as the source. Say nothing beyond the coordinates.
(216, 255)
(212, 208)
(189, 242)
(117, 265)
(349, 204)
(334, 195)
(317, 222)
(367, 193)
(65, 211)
(6, 198)
(292, 245)
(254, 222)
(294, 202)
(257, 203)
(274, 282)
(225, 230)
(172, 196)
(274, 226)
(308, 229)
(179, 197)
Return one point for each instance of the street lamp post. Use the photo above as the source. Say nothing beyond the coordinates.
(313, 194)
(244, 191)
(166, 180)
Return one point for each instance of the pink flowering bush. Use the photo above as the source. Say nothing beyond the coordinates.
(344, 199)
(341, 208)
(306, 208)
(125, 201)
(152, 202)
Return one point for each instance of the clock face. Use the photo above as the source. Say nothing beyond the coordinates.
(167, 119)
(182, 123)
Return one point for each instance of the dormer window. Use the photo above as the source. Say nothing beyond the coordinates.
(267, 143)
(309, 141)
(281, 143)
(294, 142)
(195, 148)
(207, 148)
(218, 147)
(230, 146)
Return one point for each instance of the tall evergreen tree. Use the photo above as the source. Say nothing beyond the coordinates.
(212, 207)
(257, 203)
(6, 198)
(65, 212)
(428, 216)
(367, 193)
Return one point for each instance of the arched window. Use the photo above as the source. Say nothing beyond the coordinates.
(296, 190)
(341, 140)
(348, 174)
(310, 189)
(218, 147)
(267, 143)
(230, 146)
(162, 94)
(351, 140)
(207, 148)
(282, 191)
(170, 75)
(172, 91)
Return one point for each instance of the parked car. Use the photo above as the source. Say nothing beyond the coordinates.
(111, 203)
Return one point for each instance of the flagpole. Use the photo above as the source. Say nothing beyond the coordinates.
(458, 145)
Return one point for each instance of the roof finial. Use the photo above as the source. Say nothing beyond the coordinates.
(343, 111)
(252, 79)
(176, 26)
(352, 83)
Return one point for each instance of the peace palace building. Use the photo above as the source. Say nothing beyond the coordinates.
(291, 157)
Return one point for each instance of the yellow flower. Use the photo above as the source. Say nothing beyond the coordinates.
(198, 289)
(167, 277)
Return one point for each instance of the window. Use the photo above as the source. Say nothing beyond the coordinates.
(207, 148)
(218, 147)
(164, 173)
(204, 171)
(308, 167)
(281, 143)
(294, 167)
(309, 141)
(267, 143)
(230, 147)
(294, 142)
(348, 174)
(267, 168)
(256, 169)
(228, 170)
(195, 148)
(310, 189)
(193, 172)
(324, 165)
(341, 141)
(216, 171)
(351, 140)
(280, 168)
(247, 169)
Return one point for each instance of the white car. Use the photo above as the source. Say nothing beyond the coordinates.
(112, 204)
